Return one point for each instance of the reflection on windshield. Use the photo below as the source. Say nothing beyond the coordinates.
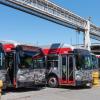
(26, 60)
(99, 63)
(83, 62)
(31, 60)
(94, 62)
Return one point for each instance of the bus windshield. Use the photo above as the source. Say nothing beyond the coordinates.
(99, 63)
(26, 60)
(2, 64)
(31, 59)
(94, 62)
(83, 62)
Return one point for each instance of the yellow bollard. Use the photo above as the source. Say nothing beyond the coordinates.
(95, 76)
(1, 85)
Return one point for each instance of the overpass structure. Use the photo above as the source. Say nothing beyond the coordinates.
(52, 12)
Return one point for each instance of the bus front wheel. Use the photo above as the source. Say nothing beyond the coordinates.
(53, 82)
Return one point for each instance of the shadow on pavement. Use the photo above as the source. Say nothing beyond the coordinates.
(74, 87)
(8, 90)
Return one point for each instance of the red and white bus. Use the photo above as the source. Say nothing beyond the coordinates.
(98, 56)
(67, 66)
(17, 68)
(95, 49)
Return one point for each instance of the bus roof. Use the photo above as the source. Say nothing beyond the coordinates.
(57, 48)
(7, 47)
(61, 48)
(28, 48)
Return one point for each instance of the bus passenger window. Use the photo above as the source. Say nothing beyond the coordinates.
(39, 63)
(56, 64)
(64, 60)
(64, 67)
(49, 65)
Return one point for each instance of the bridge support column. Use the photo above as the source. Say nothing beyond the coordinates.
(87, 42)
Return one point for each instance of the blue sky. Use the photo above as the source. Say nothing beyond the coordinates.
(22, 27)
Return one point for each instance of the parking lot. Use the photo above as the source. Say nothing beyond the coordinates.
(69, 93)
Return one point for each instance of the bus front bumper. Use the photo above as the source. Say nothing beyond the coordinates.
(84, 83)
(30, 84)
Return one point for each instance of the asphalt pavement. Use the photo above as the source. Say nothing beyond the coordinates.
(63, 93)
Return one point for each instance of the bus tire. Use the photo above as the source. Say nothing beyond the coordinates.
(53, 82)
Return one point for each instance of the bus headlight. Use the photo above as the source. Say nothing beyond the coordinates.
(2, 78)
(21, 78)
(78, 77)
(43, 75)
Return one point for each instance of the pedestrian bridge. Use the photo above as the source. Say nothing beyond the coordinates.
(52, 12)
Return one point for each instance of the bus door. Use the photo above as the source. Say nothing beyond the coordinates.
(67, 69)
(10, 63)
(70, 71)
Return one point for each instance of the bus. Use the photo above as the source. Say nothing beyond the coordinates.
(98, 57)
(21, 66)
(67, 65)
(95, 64)
(95, 49)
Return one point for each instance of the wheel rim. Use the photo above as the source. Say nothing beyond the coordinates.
(53, 82)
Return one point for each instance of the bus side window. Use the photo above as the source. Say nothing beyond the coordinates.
(49, 64)
(71, 63)
(52, 61)
(78, 62)
(56, 64)
(64, 64)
